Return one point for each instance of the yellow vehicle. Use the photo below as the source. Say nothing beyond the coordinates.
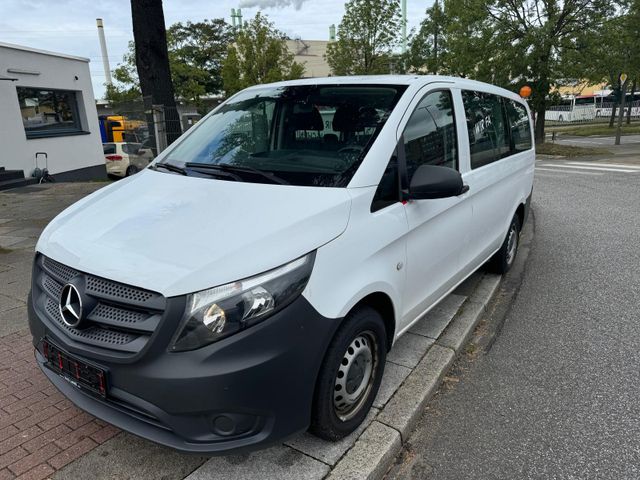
(112, 128)
(117, 128)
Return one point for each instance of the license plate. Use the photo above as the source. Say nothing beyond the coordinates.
(77, 372)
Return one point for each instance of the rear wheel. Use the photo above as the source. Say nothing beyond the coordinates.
(503, 260)
(131, 170)
(350, 377)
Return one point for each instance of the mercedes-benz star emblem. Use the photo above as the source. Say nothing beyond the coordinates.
(70, 305)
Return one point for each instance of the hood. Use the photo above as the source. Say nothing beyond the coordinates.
(175, 235)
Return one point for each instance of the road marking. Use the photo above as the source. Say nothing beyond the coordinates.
(600, 169)
(568, 171)
(621, 165)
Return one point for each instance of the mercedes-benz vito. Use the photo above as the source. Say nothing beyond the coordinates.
(270, 258)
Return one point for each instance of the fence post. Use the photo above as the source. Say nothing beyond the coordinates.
(159, 127)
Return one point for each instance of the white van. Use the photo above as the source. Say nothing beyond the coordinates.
(275, 253)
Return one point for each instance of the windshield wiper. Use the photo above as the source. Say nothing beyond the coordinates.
(225, 167)
(171, 167)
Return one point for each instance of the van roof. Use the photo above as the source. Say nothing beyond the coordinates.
(394, 80)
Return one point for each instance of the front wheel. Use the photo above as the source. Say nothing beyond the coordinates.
(350, 376)
(503, 260)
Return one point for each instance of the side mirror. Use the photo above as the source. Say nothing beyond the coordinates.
(432, 181)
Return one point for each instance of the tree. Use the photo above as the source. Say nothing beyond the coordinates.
(429, 44)
(196, 52)
(513, 43)
(152, 62)
(611, 53)
(535, 36)
(366, 37)
(258, 55)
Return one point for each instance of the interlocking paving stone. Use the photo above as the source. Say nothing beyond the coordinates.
(394, 375)
(370, 456)
(329, 452)
(435, 321)
(409, 349)
(7, 241)
(276, 463)
(127, 456)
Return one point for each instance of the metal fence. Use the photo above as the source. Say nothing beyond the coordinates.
(153, 126)
(585, 114)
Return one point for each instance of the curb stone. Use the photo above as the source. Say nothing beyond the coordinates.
(377, 447)
(370, 456)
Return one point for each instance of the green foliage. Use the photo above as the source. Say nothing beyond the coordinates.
(196, 52)
(258, 55)
(510, 43)
(366, 37)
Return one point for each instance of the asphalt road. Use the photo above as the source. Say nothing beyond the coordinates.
(558, 394)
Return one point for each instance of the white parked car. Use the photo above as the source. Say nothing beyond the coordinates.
(275, 253)
(123, 159)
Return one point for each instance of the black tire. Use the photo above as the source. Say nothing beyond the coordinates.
(328, 420)
(131, 170)
(504, 258)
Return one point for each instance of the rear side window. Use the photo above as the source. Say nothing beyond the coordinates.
(520, 127)
(109, 148)
(430, 134)
(131, 148)
(487, 127)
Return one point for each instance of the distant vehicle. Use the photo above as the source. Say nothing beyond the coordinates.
(111, 128)
(574, 109)
(589, 107)
(604, 104)
(125, 158)
(118, 128)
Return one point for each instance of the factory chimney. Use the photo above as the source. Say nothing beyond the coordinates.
(103, 48)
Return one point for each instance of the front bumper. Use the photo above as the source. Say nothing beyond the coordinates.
(251, 389)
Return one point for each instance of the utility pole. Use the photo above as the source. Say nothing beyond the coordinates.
(436, 10)
(403, 6)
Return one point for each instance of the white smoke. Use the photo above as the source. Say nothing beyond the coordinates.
(297, 4)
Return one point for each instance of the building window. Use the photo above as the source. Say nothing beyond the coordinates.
(49, 113)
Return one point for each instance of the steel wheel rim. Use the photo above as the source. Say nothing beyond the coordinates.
(355, 376)
(512, 244)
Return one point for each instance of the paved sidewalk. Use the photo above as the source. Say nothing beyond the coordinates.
(41, 433)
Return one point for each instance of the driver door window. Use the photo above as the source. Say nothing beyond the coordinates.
(430, 135)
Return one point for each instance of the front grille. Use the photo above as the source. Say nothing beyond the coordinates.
(123, 319)
(63, 272)
(101, 286)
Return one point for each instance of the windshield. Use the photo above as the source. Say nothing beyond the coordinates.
(312, 135)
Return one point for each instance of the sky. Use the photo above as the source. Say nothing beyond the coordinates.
(69, 26)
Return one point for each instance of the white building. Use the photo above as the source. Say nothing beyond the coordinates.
(310, 53)
(47, 105)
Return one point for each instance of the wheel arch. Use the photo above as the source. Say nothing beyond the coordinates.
(382, 303)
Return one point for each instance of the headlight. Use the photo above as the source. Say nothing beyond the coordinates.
(221, 311)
